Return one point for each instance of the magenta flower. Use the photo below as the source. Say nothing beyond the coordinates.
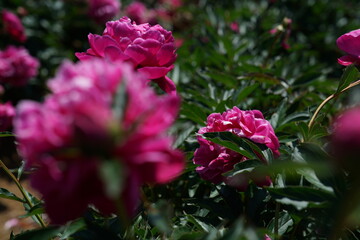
(138, 12)
(103, 10)
(214, 160)
(17, 66)
(82, 131)
(350, 44)
(13, 26)
(150, 49)
(7, 113)
(345, 141)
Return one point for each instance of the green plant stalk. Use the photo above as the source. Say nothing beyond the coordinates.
(312, 120)
(20, 187)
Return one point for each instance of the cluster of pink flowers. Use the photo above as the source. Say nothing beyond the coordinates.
(150, 49)
(214, 160)
(76, 130)
(17, 66)
(7, 113)
(103, 10)
(350, 44)
(13, 26)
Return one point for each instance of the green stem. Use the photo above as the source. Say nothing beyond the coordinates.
(23, 192)
(312, 120)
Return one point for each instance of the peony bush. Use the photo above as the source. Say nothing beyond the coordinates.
(179, 119)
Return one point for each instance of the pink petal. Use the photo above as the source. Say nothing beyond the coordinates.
(99, 43)
(155, 72)
(347, 60)
(350, 42)
(114, 53)
(166, 84)
(137, 53)
(166, 54)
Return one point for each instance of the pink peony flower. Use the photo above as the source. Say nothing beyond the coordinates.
(345, 140)
(82, 130)
(13, 26)
(350, 44)
(17, 66)
(150, 49)
(7, 113)
(138, 12)
(103, 10)
(214, 160)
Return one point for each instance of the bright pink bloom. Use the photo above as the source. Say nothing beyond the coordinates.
(214, 160)
(350, 44)
(17, 66)
(76, 130)
(13, 26)
(103, 10)
(138, 12)
(7, 113)
(150, 49)
(345, 141)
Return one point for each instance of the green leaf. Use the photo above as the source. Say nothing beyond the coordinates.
(285, 222)
(39, 234)
(245, 166)
(9, 195)
(35, 210)
(194, 113)
(7, 134)
(240, 145)
(20, 170)
(301, 194)
(239, 97)
(72, 228)
(351, 74)
(112, 173)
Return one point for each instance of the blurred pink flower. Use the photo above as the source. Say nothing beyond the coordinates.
(234, 26)
(7, 113)
(17, 66)
(103, 10)
(13, 26)
(138, 12)
(345, 140)
(11, 223)
(82, 130)
(150, 49)
(350, 44)
(214, 160)
(267, 237)
(172, 3)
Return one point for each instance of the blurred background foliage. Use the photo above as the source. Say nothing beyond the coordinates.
(228, 58)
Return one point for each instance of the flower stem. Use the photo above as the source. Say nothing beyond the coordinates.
(23, 192)
(332, 96)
